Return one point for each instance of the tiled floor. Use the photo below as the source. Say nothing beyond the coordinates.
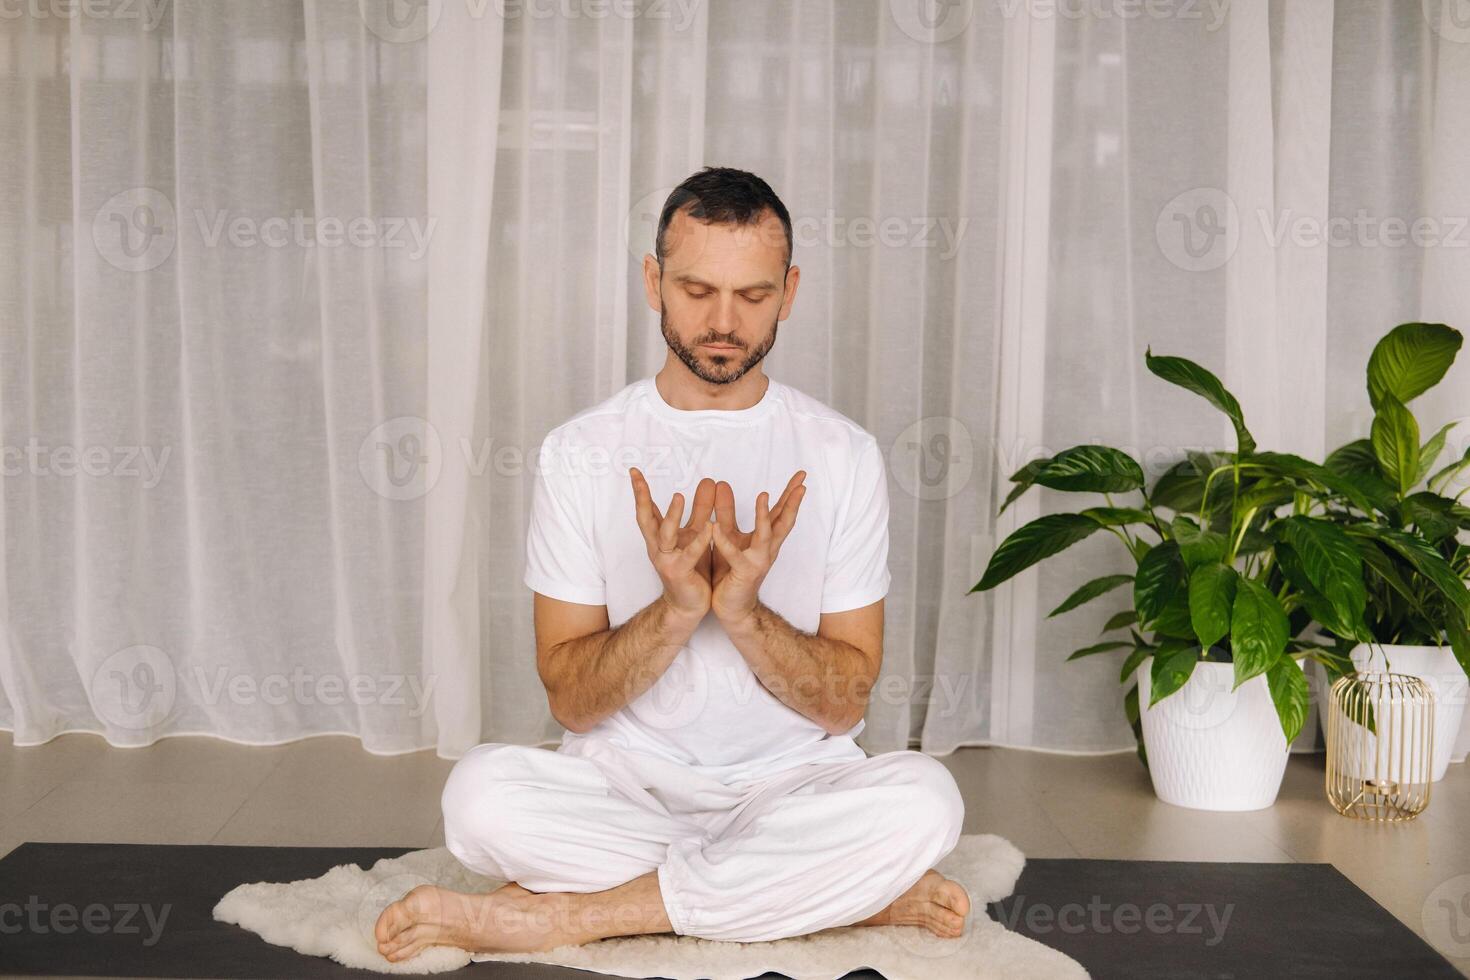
(328, 791)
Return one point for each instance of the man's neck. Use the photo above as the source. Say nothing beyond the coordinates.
(683, 390)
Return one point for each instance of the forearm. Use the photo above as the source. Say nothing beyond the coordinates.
(824, 679)
(591, 677)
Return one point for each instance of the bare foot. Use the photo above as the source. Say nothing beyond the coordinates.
(507, 920)
(935, 902)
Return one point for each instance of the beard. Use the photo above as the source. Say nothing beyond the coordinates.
(719, 369)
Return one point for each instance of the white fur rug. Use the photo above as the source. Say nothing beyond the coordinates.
(334, 916)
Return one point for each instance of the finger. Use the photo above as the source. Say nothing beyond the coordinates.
(791, 484)
(668, 528)
(725, 506)
(724, 545)
(644, 510)
(704, 502)
(699, 547)
(762, 520)
(787, 520)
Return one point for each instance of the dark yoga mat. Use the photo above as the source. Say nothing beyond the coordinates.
(1213, 920)
(1285, 920)
(179, 885)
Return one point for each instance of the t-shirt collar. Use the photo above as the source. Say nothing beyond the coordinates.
(737, 416)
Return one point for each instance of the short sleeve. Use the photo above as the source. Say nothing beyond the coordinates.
(857, 560)
(561, 559)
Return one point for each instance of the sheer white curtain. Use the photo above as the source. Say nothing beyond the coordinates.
(290, 291)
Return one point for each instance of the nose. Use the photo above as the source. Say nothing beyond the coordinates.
(724, 323)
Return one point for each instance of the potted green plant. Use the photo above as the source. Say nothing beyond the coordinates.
(1212, 638)
(1406, 531)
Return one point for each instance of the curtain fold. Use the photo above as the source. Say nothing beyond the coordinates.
(291, 290)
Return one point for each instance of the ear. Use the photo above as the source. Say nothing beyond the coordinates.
(652, 275)
(793, 277)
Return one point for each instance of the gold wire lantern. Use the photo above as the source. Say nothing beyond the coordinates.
(1380, 746)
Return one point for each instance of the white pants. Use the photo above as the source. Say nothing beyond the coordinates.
(817, 846)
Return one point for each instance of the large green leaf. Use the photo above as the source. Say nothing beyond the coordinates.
(1435, 516)
(1373, 488)
(1130, 665)
(1097, 469)
(1396, 443)
(1170, 671)
(1097, 648)
(1375, 558)
(1353, 458)
(1089, 591)
(1332, 563)
(1437, 481)
(1118, 620)
(1181, 487)
(1258, 630)
(1410, 359)
(1192, 377)
(1313, 601)
(1211, 595)
(1158, 581)
(1030, 543)
(1288, 466)
(1118, 516)
(1023, 479)
(1424, 559)
(1459, 636)
(1429, 452)
(1288, 686)
(1196, 545)
(1266, 495)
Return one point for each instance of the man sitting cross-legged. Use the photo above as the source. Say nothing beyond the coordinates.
(709, 783)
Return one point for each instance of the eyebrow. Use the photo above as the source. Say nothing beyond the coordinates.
(686, 279)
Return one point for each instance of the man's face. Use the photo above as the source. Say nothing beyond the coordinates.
(722, 291)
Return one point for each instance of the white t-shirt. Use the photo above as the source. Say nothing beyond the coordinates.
(583, 545)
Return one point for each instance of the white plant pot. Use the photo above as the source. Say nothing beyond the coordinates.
(1211, 748)
(1439, 669)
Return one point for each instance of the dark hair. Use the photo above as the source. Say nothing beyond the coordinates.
(723, 195)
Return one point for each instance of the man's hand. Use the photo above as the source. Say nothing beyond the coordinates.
(742, 558)
(680, 555)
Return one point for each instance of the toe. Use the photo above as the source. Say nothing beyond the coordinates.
(955, 897)
(391, 921)
(949, 925)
